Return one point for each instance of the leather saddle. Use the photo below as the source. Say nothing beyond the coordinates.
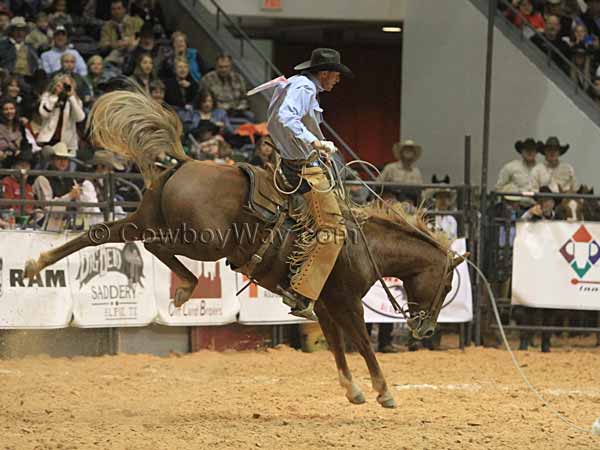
(264, 200)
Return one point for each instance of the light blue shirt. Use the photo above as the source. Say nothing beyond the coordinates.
(51, 61)
(294, 116)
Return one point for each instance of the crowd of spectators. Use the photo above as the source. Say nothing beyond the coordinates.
(571, 27)
(58, 56)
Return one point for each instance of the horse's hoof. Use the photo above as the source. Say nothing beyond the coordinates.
(358, 399)
(31, 268)
(182, 295)
(387, 401)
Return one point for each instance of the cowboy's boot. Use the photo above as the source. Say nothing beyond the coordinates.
(322, 238)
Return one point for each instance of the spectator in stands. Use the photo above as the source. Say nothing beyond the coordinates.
(595, 90)
(207, 111)
(179, 49)
(555, 8)
(15, 55)
(142, 74)
(515, 176)
(553, 36)
(57, 187)
(581, 71)
(11, 88)
(97, 77)
(182, 90)
(59, 15)
(157, 90)
(51, 60)
(404, 171)
(580, 37)
(60, 109)
(526, 8)
(40, 36)
(12, 132)
(146, 45)
(94, 191)
(4, 21)
(11, 185)
(118, 34)
(228, 88)
(208, 144)
(542, 210)
(150, 12)
(591, 18)
(444, 200)
(264, 153)
(557, 175)
(67, 67)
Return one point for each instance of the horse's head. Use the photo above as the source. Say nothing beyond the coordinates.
(427, 290)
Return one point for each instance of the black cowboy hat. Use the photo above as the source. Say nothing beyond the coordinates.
(529, 143)
(553, 142)
(325, 59)
(545, 190)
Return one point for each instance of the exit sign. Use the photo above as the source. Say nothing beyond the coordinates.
(271, 5)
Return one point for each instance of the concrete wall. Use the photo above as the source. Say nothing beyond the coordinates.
(443, 88)
(371, 10)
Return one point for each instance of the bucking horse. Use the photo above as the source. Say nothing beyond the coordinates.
(212, 199)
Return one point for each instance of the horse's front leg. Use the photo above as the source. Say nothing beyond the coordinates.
(336, 344)
(349, 315)
(119, 231)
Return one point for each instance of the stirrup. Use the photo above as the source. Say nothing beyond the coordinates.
(307, 313)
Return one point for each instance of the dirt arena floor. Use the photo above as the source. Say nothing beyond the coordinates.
(285, 399)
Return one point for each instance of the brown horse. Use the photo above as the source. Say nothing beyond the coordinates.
(210, 199)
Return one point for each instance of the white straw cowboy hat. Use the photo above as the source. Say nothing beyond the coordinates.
(106, 158)
(17, 22)
(325, 59)
(400, 146)
(60, 149)
(430, 194)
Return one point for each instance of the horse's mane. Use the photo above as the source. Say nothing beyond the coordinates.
(415, 224)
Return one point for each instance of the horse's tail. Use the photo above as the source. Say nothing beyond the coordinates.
(136, 126)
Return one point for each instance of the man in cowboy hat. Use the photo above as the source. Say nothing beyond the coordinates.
(403, 171)
(515, 176)
(443, 199)
(294, 118)
(557, 175)
(15, 55)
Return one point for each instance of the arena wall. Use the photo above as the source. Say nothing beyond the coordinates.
(443, 90)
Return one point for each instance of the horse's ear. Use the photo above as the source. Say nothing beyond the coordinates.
(458, 260)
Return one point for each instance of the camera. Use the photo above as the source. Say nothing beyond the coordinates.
(67, 87)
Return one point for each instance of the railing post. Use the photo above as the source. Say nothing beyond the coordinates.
(218, 19)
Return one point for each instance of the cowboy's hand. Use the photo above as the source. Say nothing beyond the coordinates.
(75, 192)
(326, 148)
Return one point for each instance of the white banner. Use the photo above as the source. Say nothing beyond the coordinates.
(112, 285)
(259, 306)
(556, 265)
(213, 301)
(459, 301)
(41, 302)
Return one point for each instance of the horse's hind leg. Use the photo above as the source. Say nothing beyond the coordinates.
(350, 317)
(188, 279)
(117, 231)
(336, 345)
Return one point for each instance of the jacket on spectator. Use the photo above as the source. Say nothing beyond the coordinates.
(51, 61)
(10, 140)
(50, 112)
(177, 96)
(396, 173)
(38, 39)
(113, 32)
(229, 93)
(8, 57)
(514, 176)
(11, 189)
(535, 19)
